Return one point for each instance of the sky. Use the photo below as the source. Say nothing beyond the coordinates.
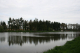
(63, 11)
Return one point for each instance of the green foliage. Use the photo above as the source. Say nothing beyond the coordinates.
(70, 47)
(35, 25)
(43, 25)
(17, 24)
(1, 28)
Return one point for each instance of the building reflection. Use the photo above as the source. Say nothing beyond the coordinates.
(20, 40)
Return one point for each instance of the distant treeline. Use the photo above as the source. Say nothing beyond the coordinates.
(32, 25)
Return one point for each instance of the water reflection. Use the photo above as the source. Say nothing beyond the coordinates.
(20, 40)
(2, 39)
(13, 42)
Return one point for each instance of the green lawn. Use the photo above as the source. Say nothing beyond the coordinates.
(70, 47)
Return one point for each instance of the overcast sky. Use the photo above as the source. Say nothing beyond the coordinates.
(67, 11)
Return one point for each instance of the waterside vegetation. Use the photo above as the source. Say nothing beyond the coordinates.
(70, 47)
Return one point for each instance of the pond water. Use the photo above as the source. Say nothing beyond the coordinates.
(30, 42)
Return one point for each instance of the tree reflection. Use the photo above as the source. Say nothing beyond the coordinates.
(2, 39)
(20, 40)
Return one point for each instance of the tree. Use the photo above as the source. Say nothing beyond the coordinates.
(30, 25)
(3, 26)
(56, 26)
(10, 23)
(63, 26)
(25, 25)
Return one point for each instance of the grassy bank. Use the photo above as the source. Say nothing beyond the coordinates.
(70, 47)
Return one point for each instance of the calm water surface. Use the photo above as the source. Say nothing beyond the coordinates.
(21, 42)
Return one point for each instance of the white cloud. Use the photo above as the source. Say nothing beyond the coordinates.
(67, 11)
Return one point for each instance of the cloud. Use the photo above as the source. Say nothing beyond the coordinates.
(67, 11)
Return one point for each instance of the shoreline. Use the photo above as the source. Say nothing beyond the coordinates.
(38, 31)
(69, 47)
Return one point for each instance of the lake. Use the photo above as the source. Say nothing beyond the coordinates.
(33, 42)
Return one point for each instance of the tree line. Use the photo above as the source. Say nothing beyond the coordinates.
(43, 25)
(32, 25)
(35, 25)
